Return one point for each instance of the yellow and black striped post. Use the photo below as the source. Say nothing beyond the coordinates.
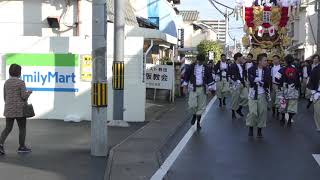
(100, 94)
(118, 75)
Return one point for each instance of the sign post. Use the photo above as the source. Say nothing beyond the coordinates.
(159, 77)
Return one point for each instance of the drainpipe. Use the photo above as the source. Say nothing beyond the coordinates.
(145, 60)
(78, 18)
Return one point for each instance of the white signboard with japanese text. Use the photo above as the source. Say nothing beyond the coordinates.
(159, 76)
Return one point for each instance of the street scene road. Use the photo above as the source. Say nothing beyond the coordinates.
(222, 150)
(160, 89)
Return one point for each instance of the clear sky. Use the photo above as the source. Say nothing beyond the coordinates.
(207, 11)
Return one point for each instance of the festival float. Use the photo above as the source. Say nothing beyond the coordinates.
(266, 25)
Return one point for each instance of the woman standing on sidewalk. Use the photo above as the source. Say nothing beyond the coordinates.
(15, 97)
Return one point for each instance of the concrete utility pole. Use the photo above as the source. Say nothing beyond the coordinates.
(118, 62)
(99, 80)
(227, 30)
(318, 33)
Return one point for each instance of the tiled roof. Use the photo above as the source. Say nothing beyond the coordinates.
(189, 15)
(129, 13)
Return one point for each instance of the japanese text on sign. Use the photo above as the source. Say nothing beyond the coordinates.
(159, 76)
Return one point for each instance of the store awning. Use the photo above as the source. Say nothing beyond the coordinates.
(152, 34)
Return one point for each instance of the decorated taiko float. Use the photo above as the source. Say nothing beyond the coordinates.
(266, 25)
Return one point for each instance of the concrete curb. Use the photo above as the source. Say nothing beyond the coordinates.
(161, 158)
(156, 153)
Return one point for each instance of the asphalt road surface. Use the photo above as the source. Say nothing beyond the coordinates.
(223, 151)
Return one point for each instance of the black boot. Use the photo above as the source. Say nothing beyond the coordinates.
(220, 102)
(283, 121)
(224, 101)
(290, 119)
(193, 120)
(278, 113)
(273, 111)
(250, 134)
(234, 115)
(259, 134)
(198, 123)
(2, 152)
(309, 104)
(239, 111)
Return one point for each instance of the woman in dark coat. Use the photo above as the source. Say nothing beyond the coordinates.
(15, 97)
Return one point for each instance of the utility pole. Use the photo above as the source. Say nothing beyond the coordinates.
(227, 30)
(118, 62)
(318, 33)
(99, 146)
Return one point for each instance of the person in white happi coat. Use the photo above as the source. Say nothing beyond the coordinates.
(239, 91)
(275, 88)
(222, 80)
(199, 83)
(259, 82)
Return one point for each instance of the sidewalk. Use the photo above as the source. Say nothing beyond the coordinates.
(61, 150)
(141, 154)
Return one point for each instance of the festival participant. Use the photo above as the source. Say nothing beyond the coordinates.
(249, 61)
(275, 88)
(238, 88)
(260, 80)
(199, 83)
(222, 79)
(305, 74)
(315, 63)
(288, 78)
(314, 86)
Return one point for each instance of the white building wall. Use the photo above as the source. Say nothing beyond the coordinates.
(140, 7)
(188, 34)
(306, 27)
(29, 17)
(57, 105)
(311, 31)
(192, 38)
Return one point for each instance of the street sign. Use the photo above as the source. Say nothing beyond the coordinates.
(86, 68)
(159, 76)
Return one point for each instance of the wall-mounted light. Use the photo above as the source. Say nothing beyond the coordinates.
(53, 22)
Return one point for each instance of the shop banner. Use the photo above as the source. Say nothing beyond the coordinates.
(47, 72)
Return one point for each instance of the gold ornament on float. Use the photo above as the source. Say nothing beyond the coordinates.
(256, 51)
(245, 41)
(286, 41)
(250, 30)
(275, 16)
(283, 31)
(258, 16)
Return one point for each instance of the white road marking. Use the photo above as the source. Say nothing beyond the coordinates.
(162, 171)
(317, 158)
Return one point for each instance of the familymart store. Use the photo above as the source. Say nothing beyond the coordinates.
(61, 83)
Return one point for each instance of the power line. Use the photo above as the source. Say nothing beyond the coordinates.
(221, 12)
(214, 5)
(223, 5)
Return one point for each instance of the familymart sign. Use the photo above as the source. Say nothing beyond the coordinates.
(47, 72)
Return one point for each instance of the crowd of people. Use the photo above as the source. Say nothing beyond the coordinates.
(255, 84)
